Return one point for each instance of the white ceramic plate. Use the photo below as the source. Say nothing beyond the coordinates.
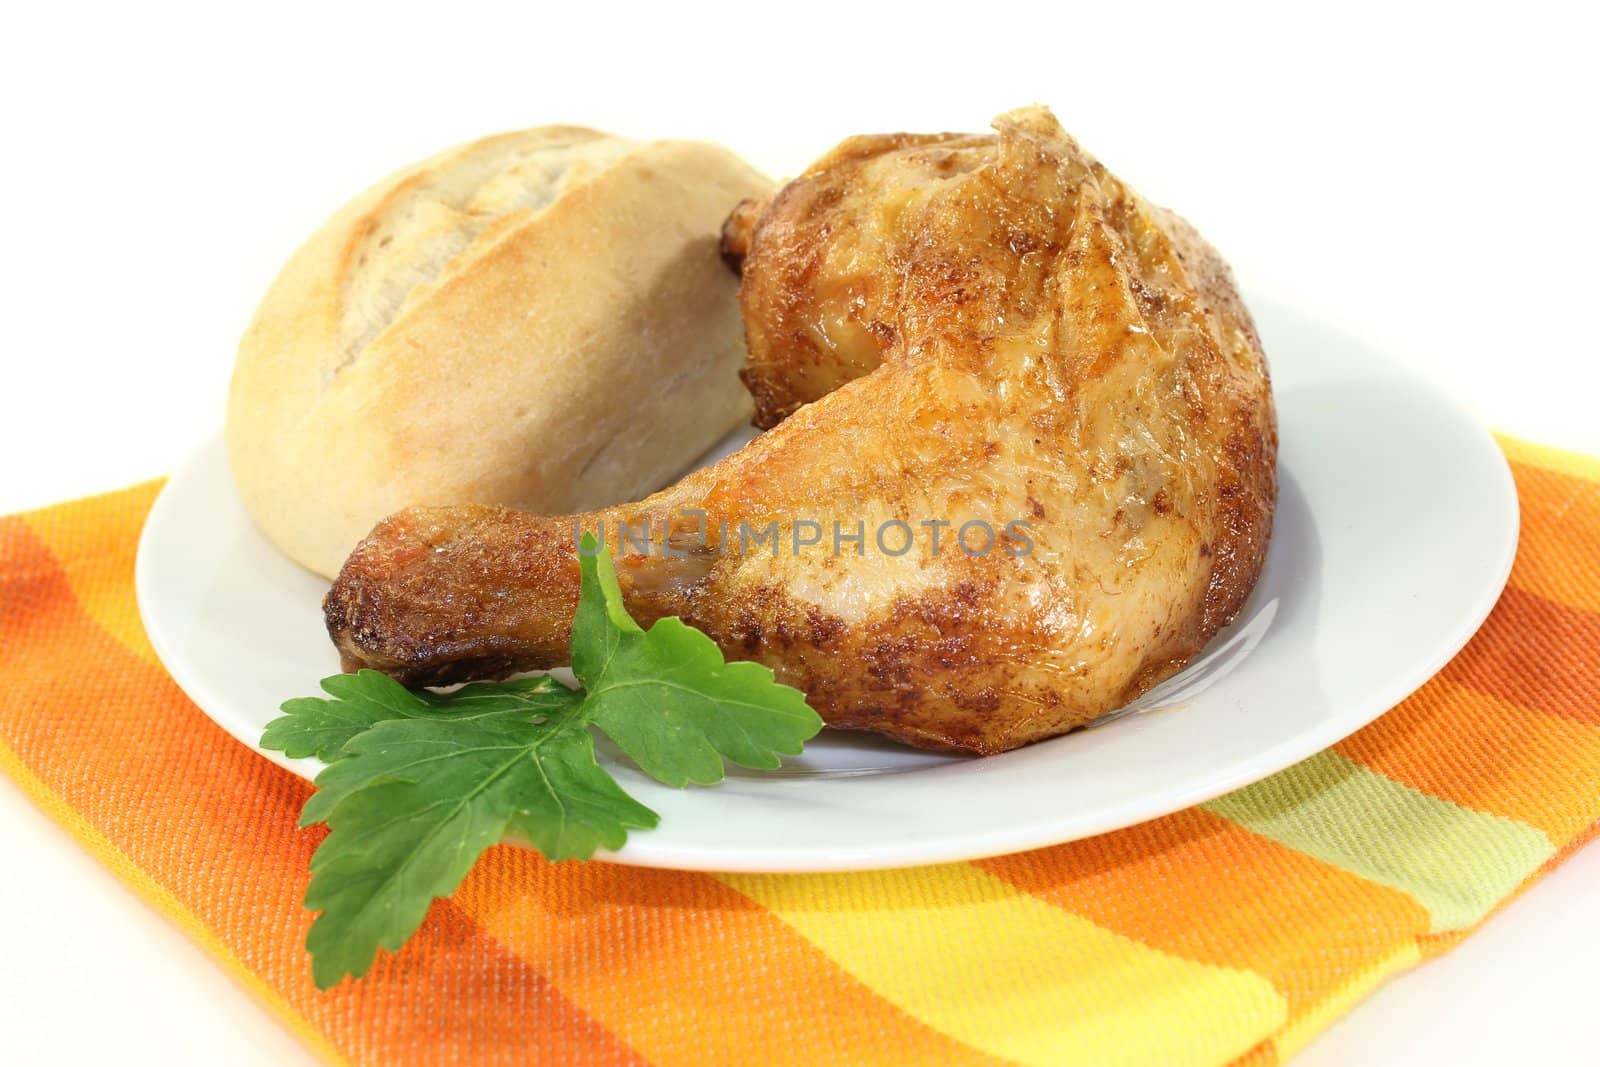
(1396, 526)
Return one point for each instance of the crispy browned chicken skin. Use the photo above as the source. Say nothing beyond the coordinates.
(951, 328)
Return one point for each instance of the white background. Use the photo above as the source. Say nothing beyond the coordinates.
(1424, 178)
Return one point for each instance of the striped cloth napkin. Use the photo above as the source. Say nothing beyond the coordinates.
(1229, 933)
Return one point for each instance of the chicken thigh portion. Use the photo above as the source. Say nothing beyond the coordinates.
(1022, 465)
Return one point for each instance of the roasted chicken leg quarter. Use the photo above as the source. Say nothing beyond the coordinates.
(985, 339)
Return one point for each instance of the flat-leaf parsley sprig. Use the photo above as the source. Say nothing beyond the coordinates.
(419, 784)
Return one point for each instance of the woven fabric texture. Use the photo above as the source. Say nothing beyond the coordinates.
(1228, 933)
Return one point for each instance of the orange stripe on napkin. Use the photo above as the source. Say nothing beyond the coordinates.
(1564, 567)
(1305, 925)
(217, 824)
(632, 946)
(1237, 930)
(94, 542)
(1535, 653)
(1481, 752)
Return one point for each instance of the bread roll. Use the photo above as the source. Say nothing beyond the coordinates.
(539, 319)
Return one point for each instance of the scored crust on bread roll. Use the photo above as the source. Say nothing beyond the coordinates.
(540, 319)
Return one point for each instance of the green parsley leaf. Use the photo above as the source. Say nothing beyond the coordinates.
(312, 726)
(667, 698)
(414, 801)
(419, 784)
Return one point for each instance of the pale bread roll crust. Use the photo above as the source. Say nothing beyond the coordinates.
(540, 319)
